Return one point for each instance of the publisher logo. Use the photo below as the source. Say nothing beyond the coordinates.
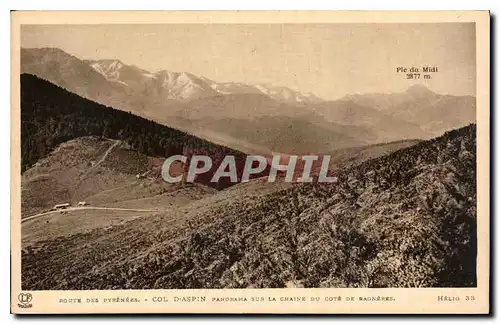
(25, 300)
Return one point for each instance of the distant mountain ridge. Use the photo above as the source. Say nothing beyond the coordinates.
(435, 113)
(187, 86)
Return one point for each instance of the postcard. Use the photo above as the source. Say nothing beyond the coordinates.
(250, 162)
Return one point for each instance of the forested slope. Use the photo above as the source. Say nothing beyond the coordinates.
(51, 115)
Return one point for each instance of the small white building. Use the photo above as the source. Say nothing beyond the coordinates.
(82, 203)
(62, 206)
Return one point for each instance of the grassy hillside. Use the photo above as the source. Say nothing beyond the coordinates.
(407, 219)
(101, 172)
(356, 155)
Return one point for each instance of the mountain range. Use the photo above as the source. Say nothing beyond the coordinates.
(246, 116)
(403, 214)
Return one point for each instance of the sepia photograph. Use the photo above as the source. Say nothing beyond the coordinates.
(234, 155)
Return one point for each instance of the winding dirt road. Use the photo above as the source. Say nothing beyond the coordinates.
(88, 208)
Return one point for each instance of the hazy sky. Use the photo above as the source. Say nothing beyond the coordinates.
(330, 60)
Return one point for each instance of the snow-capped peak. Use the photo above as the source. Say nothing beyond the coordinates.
(286, 94)
(187, 86)
(110, 69)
